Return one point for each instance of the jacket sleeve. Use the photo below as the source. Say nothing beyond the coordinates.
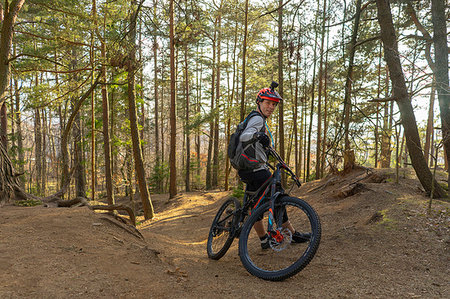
(255, 124)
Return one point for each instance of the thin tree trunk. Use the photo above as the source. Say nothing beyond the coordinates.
(188, 139)
(198, 110)
(137, 150)
(348, 88)
(228, 107)
(325, 115)
(45, 133)
(156, 95)
(319, 96)
(215, 168)
(440, 39)
(429, 123)
(18, 120)
(297, 159)
(281, 79)
(105, 116)
(386, 133)
(93, 156)
(209, 166)
(244, 61)
(38, 149)
(308, 154)
(173, 124)
(3, 125)
(377, 121)
(80, 173)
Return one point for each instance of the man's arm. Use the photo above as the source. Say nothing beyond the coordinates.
(255, 124)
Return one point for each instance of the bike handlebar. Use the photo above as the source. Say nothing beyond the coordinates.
(283, 165)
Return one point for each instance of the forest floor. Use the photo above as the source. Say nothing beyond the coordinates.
(377, 243)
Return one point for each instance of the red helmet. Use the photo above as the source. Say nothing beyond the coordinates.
(269, 94)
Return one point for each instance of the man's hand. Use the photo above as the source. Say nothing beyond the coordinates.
(263, 139)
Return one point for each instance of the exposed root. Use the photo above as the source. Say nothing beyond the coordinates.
(130, 229)
(117, 207)
(350, 190)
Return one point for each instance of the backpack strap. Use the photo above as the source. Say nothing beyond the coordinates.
(253, 113)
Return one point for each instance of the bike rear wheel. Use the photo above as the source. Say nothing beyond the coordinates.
(222, 230)
(285, 257)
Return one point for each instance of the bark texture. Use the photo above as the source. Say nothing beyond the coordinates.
(441, 73)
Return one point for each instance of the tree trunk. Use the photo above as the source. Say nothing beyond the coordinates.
(430, 119)
(244, 60)
(93, 143)
(157, 153)
(400, 93)
(8, 178)
(313, 87)
(348, 87)
(187, 130)
(18, 121)
(137, 149)
(325, 114)
(230, 104)
(173, 124)
(281, 79)
(377, 120)
(297, 156)
(38, 149)
(319, 96)
(215, 168)
(386, 133)
(105, 117)
(209, 162)
(441, 74)
(9, 18)
(80, 173)
(45, 133)
(3, 125)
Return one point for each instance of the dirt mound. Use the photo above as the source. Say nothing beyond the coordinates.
(378, 241)
(60, 253)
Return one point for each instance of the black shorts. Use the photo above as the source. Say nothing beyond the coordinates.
(256, 179)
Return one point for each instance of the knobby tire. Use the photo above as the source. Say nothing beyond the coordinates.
(282, 260)
(222, 231)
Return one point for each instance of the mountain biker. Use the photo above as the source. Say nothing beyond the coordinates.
(256, 134)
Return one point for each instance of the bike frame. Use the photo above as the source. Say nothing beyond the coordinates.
(276, 190)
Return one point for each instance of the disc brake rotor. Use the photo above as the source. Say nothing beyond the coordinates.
(285, 239)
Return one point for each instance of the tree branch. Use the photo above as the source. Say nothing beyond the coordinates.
(383, 100)
(34, 56)
(429, 40)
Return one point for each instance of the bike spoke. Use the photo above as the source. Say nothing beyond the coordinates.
(221, 234)
(292, 245)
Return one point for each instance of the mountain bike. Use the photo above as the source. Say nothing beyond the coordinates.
(279, 212)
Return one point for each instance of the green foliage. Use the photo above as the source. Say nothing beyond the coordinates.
(159, 174)
(311, 177)
(27, 203)
(238, 192)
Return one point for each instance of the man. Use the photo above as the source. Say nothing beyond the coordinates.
(255, 134)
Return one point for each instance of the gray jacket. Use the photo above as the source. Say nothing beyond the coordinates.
(255, 124)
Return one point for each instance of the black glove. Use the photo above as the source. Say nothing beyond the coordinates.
(263, 139)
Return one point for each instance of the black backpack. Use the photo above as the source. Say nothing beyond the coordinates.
(238, 159)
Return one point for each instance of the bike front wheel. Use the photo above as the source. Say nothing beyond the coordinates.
(291, 249)
(222, 230)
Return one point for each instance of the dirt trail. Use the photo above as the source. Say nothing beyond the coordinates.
(377, 243)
